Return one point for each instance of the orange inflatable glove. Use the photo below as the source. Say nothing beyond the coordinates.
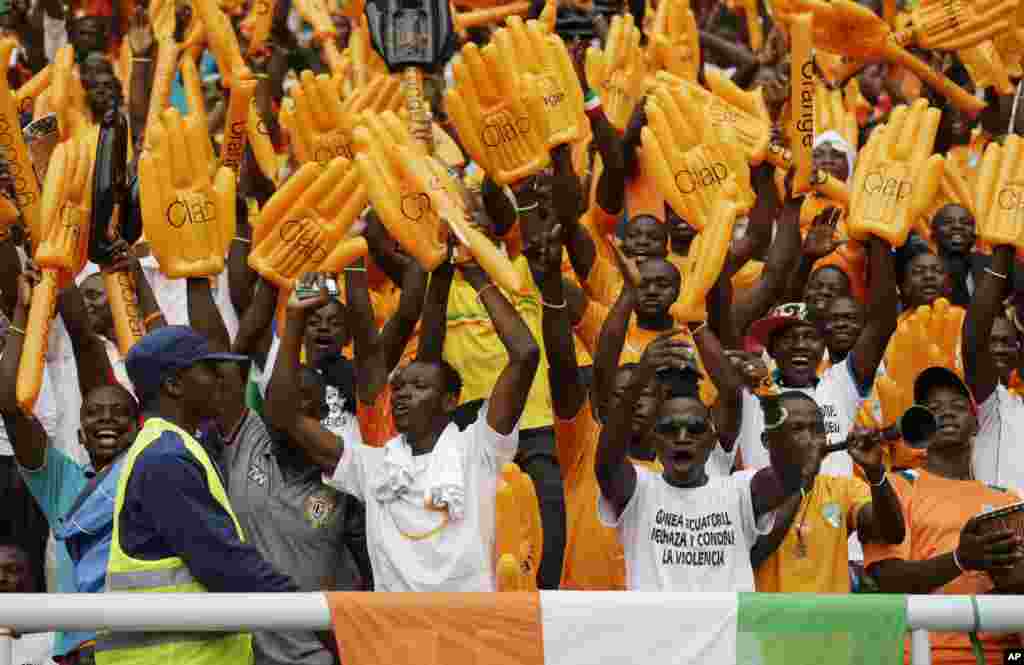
(519, 539)
(366, 62)
(236, 129)
(223, 41)
(188, 211)
(707, 256)
(303, 222)
(619, 72)
(986, 68)
(691, 163)
(499, 116)
(1010, 46)
(830, 113)
(15, 153)
(61, 253)
(849, 29)
(162, 19)
(492, 15)
(897, 176)
(952, 25)
(256, 25)
(262, 148)
(529, 50)
(802, 81)
(163, 80)
(831, 188)
(68, 96)
(1000, 193)
(675, 41)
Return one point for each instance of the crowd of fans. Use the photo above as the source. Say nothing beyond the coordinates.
(389, 427)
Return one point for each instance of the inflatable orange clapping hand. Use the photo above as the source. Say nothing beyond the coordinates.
(618, 72)
(675, 41)
(315, 13)
(707, 256)
(223, 41)
(162, 19)
(986, 68)
(849, 29)
(256, 25)
(28, 93)
(306, 220)
(831, 113)
(518, 538)
(503, 129)
(68, 96)
(366, 62)
(831, 188)
(61, 252)
(314, 120)
(188, 204)
(1000, 193)
(856, 105)
(952, 25)
(531, 51)
(398, 197)
(693, 164)
(802, 80)
(382, 93)
(262, 147)
(15, 152)
(897, 176)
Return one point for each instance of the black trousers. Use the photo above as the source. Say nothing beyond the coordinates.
(537, 459)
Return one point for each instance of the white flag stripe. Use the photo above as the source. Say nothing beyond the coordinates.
(616, 628)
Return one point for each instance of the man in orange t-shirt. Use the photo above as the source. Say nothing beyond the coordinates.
(942, 552)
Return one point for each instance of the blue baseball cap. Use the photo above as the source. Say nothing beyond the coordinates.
(164, 351)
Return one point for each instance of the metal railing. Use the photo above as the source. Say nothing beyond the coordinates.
(128, 612)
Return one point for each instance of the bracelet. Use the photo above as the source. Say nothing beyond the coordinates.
(533, 206)
(15, 329)
(246, 241)
(481, 291)
(881, 482)
(136, 58)
(703, 324)
(355, 269)
(563, 304)
(995, 274)
(151, 318)
(959, 565)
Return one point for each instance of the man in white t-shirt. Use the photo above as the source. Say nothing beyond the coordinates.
(430, 492)
(991, 351)
(681, 530)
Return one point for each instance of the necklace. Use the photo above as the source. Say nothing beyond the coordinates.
(801, 546)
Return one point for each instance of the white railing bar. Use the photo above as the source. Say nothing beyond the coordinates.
(26, 613)
(920, 648)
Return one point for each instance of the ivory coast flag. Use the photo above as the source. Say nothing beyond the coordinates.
(616, 628)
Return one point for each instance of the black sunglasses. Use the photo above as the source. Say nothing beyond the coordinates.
(672, 426)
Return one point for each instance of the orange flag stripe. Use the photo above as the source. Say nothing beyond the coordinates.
(407, 629)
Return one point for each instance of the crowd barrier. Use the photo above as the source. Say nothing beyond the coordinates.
(31, 613)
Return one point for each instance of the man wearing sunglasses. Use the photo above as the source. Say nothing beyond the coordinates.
(806, 552)
(681, 530)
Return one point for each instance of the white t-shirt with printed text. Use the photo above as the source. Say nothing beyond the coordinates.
(460, 557)
(688, 540)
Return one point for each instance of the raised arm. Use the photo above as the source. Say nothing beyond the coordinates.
(434, 327)
(90, 352)
(26, 433)
(780, 262)
(880, 521)
(255, 321)
(976, 349)
(508, 398)
(284, 394)
(723, 373)
(204, 316)
(613, 333)
(883, 310)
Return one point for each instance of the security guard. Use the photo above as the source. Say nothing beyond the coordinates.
(174, 529)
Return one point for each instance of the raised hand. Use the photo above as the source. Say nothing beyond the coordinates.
(952, 25)
(499, 116)
(619, 71)
(304, 224)
(897, 175)
(675, 41)
(865, 448)
(821, 238)
(67, 207)
(694, 166)
(1000, 193)
(669, 352)
(545, 57)
(188, 203)
(68, 95)
(315, 120)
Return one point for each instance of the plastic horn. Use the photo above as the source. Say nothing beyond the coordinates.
(915, 427)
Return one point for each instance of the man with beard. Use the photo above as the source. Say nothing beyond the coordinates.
(76, 499)
(942, 553)
(446, 542)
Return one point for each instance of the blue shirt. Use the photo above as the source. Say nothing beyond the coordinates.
(55, 486)
(169, 511)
